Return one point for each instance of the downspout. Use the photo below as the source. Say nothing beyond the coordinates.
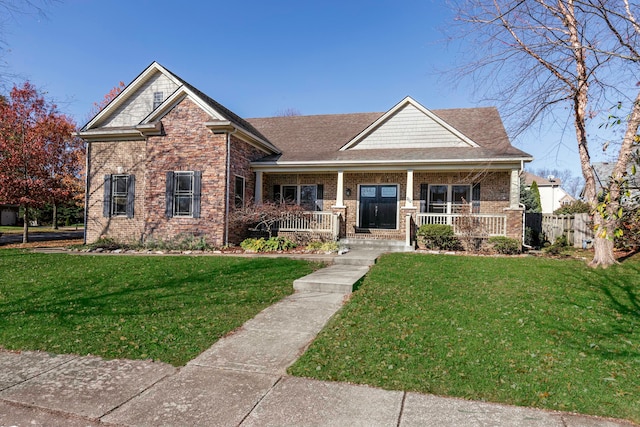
(228, 173)
(524, 212)
(86, 190)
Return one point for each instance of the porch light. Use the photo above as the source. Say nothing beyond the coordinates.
(348, 192)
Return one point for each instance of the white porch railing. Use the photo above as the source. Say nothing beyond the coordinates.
(315, 222)
(485, 224)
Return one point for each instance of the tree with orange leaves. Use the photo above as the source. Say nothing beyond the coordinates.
(38, 152)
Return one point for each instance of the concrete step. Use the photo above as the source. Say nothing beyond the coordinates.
(358, 257)
(376, 245)
(335, 278)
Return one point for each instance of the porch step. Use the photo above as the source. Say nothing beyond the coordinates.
(364, 258)
(376, 245)
(334, 279)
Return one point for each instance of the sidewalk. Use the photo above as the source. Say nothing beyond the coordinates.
(240, 381)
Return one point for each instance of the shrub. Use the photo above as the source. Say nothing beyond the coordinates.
(574, 207)
(323, 246)
(505, 245)
(181, 242)
(438, 236)
(272, 244)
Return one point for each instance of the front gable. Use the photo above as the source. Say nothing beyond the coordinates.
(409, 125)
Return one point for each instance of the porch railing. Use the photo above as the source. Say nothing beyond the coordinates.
(477, 224)
(315, 222)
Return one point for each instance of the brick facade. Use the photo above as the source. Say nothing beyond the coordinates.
(186, 145)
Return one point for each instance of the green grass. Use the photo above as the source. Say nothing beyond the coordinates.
(163, 308)
(525, 331)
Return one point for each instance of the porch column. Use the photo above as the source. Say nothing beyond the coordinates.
(340, 190)
(514, 195)
(258, 189)
(408, 202)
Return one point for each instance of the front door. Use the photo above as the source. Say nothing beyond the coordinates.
(378, 206)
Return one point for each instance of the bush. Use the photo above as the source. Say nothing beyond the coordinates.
(575, 207)
(505, 245)
(272, 244)
(182, 242)
(438, 236)
(323, 246)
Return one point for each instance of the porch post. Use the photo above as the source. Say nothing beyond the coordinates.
(258, 189)
(408, 202)
(514, 194)
(340, 190)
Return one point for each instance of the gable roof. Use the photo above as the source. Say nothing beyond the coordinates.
(319, 139)
(221, 116)
(540, 181)
(409, 125)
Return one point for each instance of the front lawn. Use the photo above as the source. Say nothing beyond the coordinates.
(163, 308)
(525, 331)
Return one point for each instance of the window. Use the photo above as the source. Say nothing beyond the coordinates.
(308, 197)
(447, 199)
(158, 98)
(119, 195)
(239, 192)
(183, 194)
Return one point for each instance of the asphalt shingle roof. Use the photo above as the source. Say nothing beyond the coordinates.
(320, 137)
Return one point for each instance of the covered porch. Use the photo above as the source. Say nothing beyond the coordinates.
(391, 204)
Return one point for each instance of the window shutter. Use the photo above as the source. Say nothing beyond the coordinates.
(131, 195)
(424, 195)
(197, 187)
(106, 200)
(475, 198)
(169, 195)
(276, 193)
(319, 197)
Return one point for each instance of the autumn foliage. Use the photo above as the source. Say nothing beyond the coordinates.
(39, 156)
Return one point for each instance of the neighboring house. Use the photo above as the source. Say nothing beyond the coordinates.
(552, 195)
(603, 173)
(165, 159)
(9, 214)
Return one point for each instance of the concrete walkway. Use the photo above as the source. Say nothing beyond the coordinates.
(240, 381)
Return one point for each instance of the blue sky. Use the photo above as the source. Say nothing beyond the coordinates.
(257, 57)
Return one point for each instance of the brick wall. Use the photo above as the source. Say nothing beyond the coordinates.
(242, 154)
(107, 158)
(186, 146)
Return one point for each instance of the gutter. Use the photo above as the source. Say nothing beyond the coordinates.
(228, 185)
(86, 189)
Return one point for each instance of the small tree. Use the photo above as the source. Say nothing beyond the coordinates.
(38, 153)
(535, 193)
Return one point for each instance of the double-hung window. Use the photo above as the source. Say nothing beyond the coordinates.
(309, 197)
(183, 194)
(119, 195)
(239, 192)
(449, 199)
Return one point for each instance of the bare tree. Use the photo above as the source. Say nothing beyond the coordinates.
(555, 58)
(288, 112)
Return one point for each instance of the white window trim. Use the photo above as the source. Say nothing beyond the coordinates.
(298, 192)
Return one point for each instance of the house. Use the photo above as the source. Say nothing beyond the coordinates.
(603, 172)
(165, 159)
(9, 214)
(552, 195)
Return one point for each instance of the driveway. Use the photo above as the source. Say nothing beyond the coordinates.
(36, 236)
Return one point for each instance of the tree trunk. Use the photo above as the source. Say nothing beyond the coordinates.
(55, 216)
(25, 229)
(603, 243)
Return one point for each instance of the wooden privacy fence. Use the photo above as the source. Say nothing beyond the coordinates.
(576, 228)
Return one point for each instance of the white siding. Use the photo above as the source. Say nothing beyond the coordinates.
(410, 128)
(140, 103)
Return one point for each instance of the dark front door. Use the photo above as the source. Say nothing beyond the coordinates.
(378, 206)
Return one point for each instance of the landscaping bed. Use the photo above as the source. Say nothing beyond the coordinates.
(540, 332)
